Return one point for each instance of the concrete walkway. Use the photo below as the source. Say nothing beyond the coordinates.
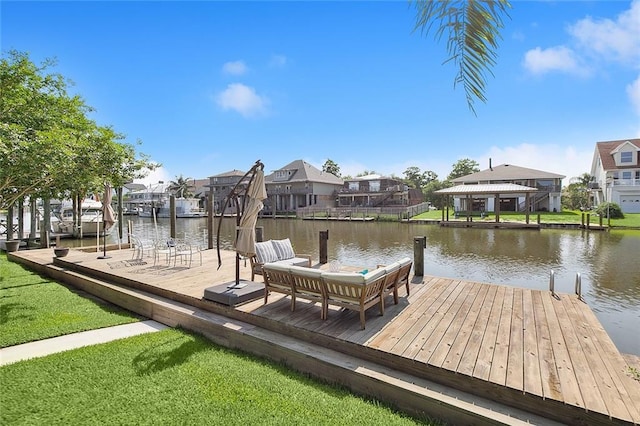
(76, 340)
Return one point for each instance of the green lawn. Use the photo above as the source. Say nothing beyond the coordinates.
(34, 307)
(630, 220)
(174, 377)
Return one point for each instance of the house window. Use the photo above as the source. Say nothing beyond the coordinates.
(626, 157)
(354, 186)
(626, 175)
(374, 186)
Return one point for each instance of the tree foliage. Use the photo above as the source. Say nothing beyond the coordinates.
(472, 29)
(576, 195)
(48, 145)
(463, 167)
(181, 187)
(332, 167)
(415, 178)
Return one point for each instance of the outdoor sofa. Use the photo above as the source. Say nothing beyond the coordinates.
(276, 251)
(351, 290)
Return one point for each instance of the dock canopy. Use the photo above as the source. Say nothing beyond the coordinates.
(495, 190)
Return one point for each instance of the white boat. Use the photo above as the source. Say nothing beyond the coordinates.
(90, 219)
(185, 208)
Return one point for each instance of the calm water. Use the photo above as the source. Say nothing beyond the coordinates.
(609, 262)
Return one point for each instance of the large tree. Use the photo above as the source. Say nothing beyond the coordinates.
(332, 167)
(48, 145)
(463, 167)
(472, 29)
(418, 179)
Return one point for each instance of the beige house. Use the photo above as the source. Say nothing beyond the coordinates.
(299, 184)
(222, 185)
(546, 198)
(616, 173)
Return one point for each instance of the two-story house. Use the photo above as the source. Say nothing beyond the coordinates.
(546, 198)
(616, 174)
(299, 184)
(222, 185)
(374, 190)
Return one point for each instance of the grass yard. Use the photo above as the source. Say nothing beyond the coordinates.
(33, 307)
(631, 220)
(174, 377)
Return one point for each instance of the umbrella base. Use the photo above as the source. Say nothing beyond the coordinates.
(232, 294)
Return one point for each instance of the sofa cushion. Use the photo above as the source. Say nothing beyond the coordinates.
(296, 261)
(283, 249)
(265, 252)
(277, 266)
(346, 277)
(374, 275)
(305, 272)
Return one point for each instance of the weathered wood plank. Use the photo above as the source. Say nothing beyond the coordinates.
(461, 340)
(623, 389)
(548, 372)
(531, 358)
(402, 328)
(568, 382)
(498, 373)
(515, 363)
(432, 344)
(482, 369)
(469, 357)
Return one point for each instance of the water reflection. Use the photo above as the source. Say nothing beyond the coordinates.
(607, 261)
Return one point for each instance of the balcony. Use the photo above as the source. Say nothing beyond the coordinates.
(626, 182)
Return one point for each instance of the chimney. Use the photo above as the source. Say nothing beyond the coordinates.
(490, 168)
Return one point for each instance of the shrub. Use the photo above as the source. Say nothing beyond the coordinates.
(611, 210)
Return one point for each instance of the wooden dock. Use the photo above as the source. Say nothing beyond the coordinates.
(529, 349)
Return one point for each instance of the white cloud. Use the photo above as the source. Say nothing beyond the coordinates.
(278, 61)
(242, 99)
(617, 40)
(633, 91)
(155, 176)
(559, 58)
(235, 68)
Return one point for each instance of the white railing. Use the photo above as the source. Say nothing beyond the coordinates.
(626, 182)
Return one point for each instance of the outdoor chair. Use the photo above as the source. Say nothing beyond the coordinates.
(140, 249)
(276, 251)
(162, 248)
(183, 251)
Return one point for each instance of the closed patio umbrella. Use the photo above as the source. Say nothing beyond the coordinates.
(247, 214)
(108, 218)
(245, 243)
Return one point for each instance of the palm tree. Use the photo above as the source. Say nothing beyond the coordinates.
(181, 187)
(473, 30)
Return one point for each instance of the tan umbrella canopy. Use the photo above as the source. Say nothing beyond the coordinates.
(248, 199)
(245, 243)
(109, 218)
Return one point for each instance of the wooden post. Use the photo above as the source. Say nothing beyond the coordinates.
(582, 220)
(527, 206)
(259, 234)
(419, 244)
(496, 207)
(172, 215)
(120, 195)
(588, 219)
(600, 220)
(324, 236)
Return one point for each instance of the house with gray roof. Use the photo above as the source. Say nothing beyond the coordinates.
(616, 172)
(374, 190)
(222, 185)
(492, 180)
(299, 184)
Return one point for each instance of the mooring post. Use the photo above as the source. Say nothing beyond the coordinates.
(324, 237)
(588, 220)
(419, 244)
(172, 215)
(259, 234)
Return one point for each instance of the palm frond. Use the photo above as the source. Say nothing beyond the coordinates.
(472, 28)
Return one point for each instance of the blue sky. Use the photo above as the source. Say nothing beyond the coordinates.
(209, 87)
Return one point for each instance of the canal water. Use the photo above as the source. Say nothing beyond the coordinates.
(608, 262)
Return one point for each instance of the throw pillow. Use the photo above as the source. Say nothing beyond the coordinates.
(283, 248)
(265, 252)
